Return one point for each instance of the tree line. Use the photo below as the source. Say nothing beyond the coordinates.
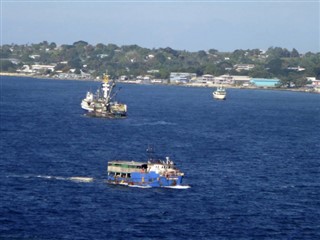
(133, 60)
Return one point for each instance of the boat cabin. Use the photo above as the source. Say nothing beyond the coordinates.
(125, 168)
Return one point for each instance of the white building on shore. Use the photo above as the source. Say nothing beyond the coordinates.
(180, 77)
(36, 68)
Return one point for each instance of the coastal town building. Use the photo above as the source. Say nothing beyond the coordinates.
(123, 78)
(180, 77)
(152, 71)
(40, 67)
(264, 82)
(243, 67)
(241, 80)
(207, 78)
(298, 69)
(232, 80)
(223, 79)
(34, 56)
(314, 82)
(36, 68)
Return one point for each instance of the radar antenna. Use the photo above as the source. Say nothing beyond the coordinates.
(150, 152)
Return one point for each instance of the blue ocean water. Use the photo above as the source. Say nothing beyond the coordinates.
(252, 162)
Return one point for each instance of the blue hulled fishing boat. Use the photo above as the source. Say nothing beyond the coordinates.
(152, 173)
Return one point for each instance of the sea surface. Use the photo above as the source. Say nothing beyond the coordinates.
(252, 161)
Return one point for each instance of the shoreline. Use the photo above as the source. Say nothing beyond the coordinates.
(4, 74)
(197, 85)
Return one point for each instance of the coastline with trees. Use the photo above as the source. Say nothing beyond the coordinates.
(91, 61)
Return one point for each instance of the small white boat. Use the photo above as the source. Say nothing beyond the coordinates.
(220, 93)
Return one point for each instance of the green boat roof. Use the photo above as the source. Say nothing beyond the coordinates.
(124, 162)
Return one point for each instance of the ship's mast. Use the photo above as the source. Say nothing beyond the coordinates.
(107, 88)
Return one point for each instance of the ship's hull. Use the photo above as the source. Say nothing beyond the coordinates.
(219, 96)
(98, 109)
(105, 114)
(146, 180)
(86, 105)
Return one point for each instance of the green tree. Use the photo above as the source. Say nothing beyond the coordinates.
(75, 63)
(52, 46)
(80, 44)
(7, 66)
(300, 82)
(294, 53)
(213, 51)
(202, 54)
(160, 58)
(223, 67)
(275, 66)
(210, 69)
(5, 52)
(293, 79)
(162, 74)
(259, 71)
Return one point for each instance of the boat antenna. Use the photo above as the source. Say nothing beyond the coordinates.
(150, 152)
(115, 94)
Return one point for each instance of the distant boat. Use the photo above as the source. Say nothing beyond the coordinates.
(101, 104)
(220, 93)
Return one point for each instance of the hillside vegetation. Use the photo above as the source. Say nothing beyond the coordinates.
(133, 60)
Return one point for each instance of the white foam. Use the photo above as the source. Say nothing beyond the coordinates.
(153, 123)
(178, 187)
(140, 186)
(74, 179)
(45, 177)
(81, 179)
